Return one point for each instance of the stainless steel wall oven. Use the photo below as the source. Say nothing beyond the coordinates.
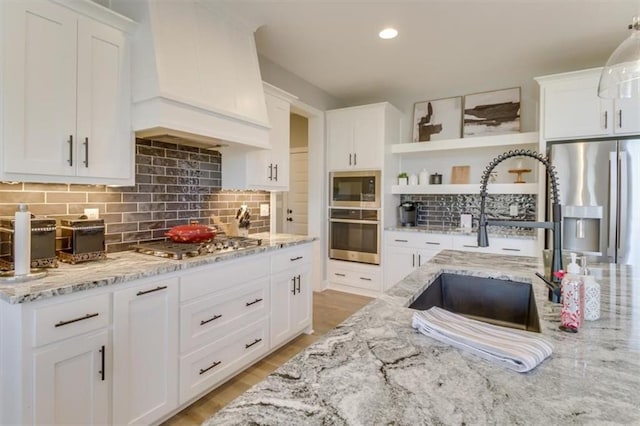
(354, 235)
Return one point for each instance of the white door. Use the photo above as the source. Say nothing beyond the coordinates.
(302, 299)
(72, 381)
(368, 137)
(296, 200)
(282, 287)
(145, 351)
(340, 131)
(398, 263)
(39, 85)
(104, 135)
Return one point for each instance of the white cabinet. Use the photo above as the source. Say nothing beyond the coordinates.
(406, 251)
(353, 277)
(497, 245)
(356, 136)
(145, 351)
(571, 108)
(72, 381)
(66, 96)
(265, 169)
(291, 293)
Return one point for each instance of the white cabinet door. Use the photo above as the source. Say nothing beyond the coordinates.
(270, 168)
(72, 381)
(282, 287)
(399, 262)
(39, 86)
(302, 299)
(340, 133)
(104, 147)
(145, 351)
(573, 109)
(627, 116)
(368, 137)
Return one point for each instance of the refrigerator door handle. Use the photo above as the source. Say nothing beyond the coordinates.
(623, 203)
(613, 204)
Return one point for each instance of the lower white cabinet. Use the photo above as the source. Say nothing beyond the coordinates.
(497, 245)
(406, 251)
(72, 381)
(145, 324)
(353, 277)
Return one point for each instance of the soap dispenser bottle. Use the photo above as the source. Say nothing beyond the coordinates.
(572, 289)
(591, 293)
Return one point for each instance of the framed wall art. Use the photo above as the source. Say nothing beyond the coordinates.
(496, 112)
(437, 119)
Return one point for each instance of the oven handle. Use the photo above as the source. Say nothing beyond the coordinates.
(369, 222)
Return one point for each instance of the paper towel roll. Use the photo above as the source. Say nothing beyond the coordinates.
(22, 241)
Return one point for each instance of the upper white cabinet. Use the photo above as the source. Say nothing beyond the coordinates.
(571, 108)
(266, 169)
(66, 101)
(356, 136)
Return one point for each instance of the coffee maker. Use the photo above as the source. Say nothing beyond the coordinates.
(408, 213)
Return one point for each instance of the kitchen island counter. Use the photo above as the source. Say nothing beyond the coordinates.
(128, 266)
(376, 369)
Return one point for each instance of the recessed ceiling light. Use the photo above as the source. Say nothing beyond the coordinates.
(388, 33)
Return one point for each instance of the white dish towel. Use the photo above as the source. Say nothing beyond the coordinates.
(518, 350)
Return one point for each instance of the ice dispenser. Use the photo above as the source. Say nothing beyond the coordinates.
(582, 229)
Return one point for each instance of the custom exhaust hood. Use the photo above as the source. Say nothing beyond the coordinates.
(195, 75)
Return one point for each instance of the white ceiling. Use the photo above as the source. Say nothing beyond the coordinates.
(445, 47)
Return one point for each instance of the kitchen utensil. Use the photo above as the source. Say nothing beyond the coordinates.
(192, 233)
(407, 213)
(435, 179)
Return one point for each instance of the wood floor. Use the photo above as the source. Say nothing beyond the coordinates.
(330, 308)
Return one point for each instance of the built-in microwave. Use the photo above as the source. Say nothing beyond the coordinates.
(360, 189)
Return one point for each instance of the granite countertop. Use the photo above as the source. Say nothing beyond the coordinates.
(128, 266)
(376, 369)
(496, 231)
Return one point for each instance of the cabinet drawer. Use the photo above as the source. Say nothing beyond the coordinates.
(505, 246)
(206, 367)
(419, 240)
(210, 318)
(212, 278)
(65, 320)
(291, 257)
(369, 280)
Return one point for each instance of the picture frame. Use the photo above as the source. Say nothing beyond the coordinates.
(437, 119)
(492, 113)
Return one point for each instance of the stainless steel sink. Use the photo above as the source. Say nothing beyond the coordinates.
(501, 302)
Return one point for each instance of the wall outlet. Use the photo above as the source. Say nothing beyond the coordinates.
(264, 210)
(513, 210)
(92, 213)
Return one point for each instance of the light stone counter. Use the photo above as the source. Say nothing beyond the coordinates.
(495, 231)
(128, 266)
(375, 369)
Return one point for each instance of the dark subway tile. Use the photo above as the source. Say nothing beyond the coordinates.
(136, 217)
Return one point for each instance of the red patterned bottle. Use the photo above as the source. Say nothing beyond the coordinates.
(572, 289)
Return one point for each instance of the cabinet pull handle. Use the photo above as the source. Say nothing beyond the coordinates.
(213, 318)
(293, 259)
(606, 119)
(276, 169)
(431, 243)
(470, 246)
(355, 159)
(419, 260)
(248, 345)
(70, 142)
(86, 152)
(413, 260)
(142, 293)
(215, 364)
(101, 363)
(510, 249)
(365, 279)
(620, 118)
(254, 302)
(293, 287)
(401, 241)
(87, 316)
(349, 159)
(338, 274)
(298, 284)
(270, 171)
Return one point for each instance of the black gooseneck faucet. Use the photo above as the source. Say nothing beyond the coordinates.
(555, 225)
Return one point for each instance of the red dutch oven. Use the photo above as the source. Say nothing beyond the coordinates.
(193, 233)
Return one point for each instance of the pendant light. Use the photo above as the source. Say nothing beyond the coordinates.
(620, 77)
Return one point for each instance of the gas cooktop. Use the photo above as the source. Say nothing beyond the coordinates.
(177, 251)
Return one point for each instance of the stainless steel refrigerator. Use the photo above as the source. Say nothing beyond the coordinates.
(599, 184)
